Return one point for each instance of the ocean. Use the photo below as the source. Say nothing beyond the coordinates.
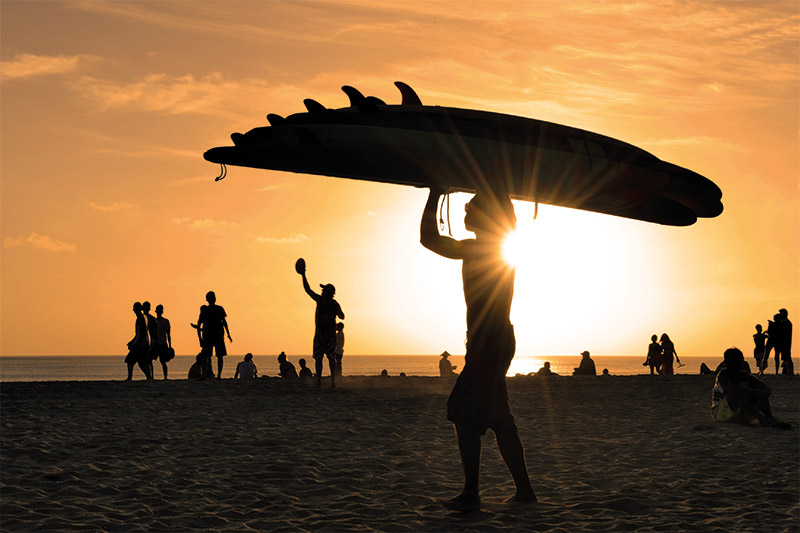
(112, 368)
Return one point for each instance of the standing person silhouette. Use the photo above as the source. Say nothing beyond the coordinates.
(668, 355)
(212, 326)
(339, 350)
(479, 399)
(654, 356)
(163, 339)
(139, 346)
(324, 324)
(152, 333)
(783, 342)
(773, 333)
(759, 352)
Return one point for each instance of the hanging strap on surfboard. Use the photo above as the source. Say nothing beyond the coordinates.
(441, 207)
(223, 171)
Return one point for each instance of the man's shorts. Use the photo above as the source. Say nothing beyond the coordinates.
(479, 397)
(324, 344)
(725, 413)
(218, 345)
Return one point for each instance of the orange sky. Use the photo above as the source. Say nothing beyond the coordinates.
(107, 108)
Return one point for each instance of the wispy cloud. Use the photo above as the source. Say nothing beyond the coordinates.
(109, 208)
(278, 187)
(30, 65)
(292, 239)
(42, 242)
(203, 223)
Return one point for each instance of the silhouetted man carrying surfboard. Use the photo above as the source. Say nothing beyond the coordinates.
(479, 399)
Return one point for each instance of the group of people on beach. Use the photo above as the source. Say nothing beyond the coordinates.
(778, 337)
(152, 341)
(661, 357)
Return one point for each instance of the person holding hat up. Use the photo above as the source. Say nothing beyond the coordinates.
(586, 368)
(324, 325)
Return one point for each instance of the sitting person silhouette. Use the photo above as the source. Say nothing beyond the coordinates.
(286, 369)
(545, 370)
(246, 369)
(740, 397)
(479, 399)
(586, 368)
(305, 372)
(446, 368)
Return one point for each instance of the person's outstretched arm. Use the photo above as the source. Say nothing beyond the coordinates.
(314, 296)
(429, 235)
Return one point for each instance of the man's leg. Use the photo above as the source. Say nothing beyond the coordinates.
(220, 361)
(510, 446)
(164, 368)
(332, 365)
(130, 371)
(318, 369)
(469, 446)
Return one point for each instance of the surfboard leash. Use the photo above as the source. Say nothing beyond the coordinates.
(441, 207)
(223, 171)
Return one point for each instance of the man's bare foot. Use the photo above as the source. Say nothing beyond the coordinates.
(463, 503)
(522, 497)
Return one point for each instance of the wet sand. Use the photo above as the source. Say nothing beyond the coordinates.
(376, 454)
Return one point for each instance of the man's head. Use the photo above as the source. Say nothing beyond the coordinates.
(282, 357)
(733, 358)
(146, 307)
(137, 307)
(328, 290)
(585, 354)
(758, 328)
(159, 309)
(654, 338)
(211, 297)
(339, 326)
(490, 212)
(248, 357)
(784, 313)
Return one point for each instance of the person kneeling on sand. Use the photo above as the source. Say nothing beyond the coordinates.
(246, 369)
(286, 368)
(740, 397)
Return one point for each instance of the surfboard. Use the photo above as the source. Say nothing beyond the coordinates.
(468, 150)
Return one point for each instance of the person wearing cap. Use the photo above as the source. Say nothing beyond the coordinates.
(324, 327)
(479, 399)
(586, 368)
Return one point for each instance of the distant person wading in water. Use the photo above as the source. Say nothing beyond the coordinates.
(479, 399)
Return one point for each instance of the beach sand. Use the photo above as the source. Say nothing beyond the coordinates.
(377, 454)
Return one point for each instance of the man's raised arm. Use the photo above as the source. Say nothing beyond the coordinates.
(429, 235)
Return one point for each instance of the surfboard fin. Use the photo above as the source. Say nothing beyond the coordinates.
(373, 101)
(408, 94)
(313, 106)
(275, 120)
(355, 96)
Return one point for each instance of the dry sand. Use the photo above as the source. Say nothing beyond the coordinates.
(376, 454)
